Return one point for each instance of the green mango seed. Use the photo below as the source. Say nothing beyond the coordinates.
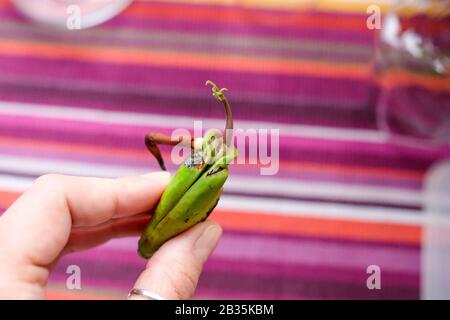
(195, 189)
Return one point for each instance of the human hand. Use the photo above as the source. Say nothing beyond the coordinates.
(60, 214)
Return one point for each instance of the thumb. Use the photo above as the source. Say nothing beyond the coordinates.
(174, 269)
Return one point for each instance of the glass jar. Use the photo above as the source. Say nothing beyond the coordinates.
(412, 67)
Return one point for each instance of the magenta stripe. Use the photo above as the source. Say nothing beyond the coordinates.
(362, 36)
(327, 273)
(278, 288)
(266, 195)
(312, 253)
(280, 112)
(246, 28)
(114, 39)
(259, 248)
(150, 165)
(144, 78)
(147, 162)
(300, 149)
(102, 267)
(101, 272)
(218, 293)
(226, 285)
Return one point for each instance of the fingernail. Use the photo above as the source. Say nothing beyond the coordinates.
(206, 243)
(163, 176)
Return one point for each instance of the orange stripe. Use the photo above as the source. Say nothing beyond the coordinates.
(75, 148)
(233, 15)
(353, 170)
(295, 18)
(321, 227)
(301, 17)
(8, 197)
(397, 78)
(144, 155)
(229, 62)
(65, 294)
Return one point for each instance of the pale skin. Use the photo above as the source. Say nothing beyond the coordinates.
(61, 214)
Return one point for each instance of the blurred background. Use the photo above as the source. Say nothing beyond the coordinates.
(363, 115)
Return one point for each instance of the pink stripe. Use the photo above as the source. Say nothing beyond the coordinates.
(147, 162)
(291, 251)
(302, 148)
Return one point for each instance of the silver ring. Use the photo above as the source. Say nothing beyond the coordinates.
(145, 293)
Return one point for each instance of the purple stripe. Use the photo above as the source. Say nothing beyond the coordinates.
(253, 248)
(386, 204)
(328, 273)
(145, 79)
(147, 162)
(246, 28)
(229, 284)
(278, 287)
(312, 253)
(362, 36)
(320, 200)
(307, 114)
(99, 271)
(123, 244)
(280, 269)
(120, 39)
(104, 267)
(215, 293)
(299, 149)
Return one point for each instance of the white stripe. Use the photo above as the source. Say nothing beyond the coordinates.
(14, 183)
(40, 166)
(325, 190)
(262, 185)
(172, 122)
(283, 207)
(322, 210)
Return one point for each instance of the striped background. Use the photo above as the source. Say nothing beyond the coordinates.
(346, 197)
